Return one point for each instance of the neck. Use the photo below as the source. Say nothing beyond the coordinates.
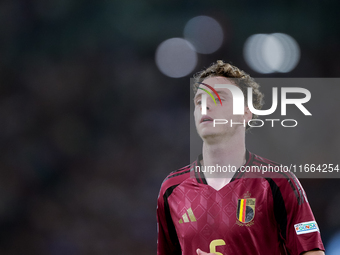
(224, 153)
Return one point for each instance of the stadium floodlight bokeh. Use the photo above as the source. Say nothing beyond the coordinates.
(176, 57)
(205, 33)
(269, 53)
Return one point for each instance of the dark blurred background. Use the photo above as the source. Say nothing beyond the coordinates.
(90, 126)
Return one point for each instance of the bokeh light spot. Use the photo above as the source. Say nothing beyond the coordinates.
(205, 33)
(176, 58)
(271, 53)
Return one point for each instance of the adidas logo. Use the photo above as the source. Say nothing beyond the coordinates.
(185, 217)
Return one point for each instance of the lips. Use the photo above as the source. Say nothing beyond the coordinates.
(206, 118)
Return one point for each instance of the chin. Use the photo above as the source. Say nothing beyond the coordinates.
(208, 134)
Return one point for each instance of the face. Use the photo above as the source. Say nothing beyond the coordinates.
(204, 123)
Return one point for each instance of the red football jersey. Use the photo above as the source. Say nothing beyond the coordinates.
(247, 216)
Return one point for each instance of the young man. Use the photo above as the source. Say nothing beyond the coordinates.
(202, 212)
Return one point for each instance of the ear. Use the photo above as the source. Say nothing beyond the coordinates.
(248, 115)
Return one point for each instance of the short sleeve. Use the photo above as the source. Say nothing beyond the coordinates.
(297, 225)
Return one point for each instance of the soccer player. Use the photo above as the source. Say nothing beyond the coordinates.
(205, 212)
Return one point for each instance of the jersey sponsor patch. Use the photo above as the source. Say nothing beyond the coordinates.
(306, 227)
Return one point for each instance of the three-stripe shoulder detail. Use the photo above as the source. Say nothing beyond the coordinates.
(179, 172)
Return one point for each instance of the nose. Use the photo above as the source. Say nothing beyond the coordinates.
(210, 103)
(207, 104)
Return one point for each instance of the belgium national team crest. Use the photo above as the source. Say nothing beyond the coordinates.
(245, 210)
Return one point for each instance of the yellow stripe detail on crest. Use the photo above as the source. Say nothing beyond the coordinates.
(241, 210)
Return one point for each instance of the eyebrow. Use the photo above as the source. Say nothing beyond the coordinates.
(221, 92)
(200, 94)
